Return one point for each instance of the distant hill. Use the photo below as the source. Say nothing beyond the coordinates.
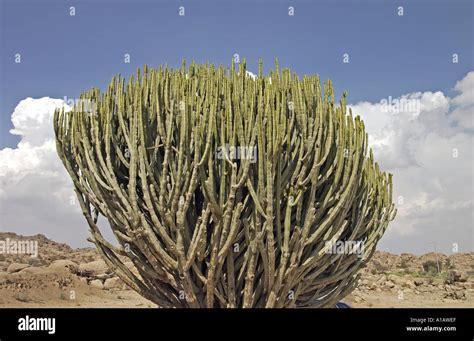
(48, 251)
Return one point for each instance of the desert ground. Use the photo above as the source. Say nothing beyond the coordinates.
(61, 276)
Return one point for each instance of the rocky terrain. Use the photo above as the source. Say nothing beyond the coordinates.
(64, 277)
(408, 280)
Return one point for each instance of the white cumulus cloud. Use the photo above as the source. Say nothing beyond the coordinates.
(36, 193)
(428, 147)
(464, 113)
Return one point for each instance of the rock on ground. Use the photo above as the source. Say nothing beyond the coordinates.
(96, 283)
(113, 283)
(63, 264)
(97, 267)
(15, 267)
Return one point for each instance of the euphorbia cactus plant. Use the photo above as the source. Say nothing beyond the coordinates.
(208, 227)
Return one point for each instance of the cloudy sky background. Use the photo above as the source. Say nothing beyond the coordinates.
(429, 151)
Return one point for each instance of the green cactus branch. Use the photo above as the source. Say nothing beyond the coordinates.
(156, 157)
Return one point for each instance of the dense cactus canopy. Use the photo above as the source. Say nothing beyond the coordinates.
(224, 189)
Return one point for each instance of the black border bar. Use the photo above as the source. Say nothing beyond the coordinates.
(312, 324)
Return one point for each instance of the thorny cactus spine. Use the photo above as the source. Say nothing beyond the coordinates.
(210, 231)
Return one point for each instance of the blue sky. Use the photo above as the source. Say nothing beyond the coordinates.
(389, 55)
